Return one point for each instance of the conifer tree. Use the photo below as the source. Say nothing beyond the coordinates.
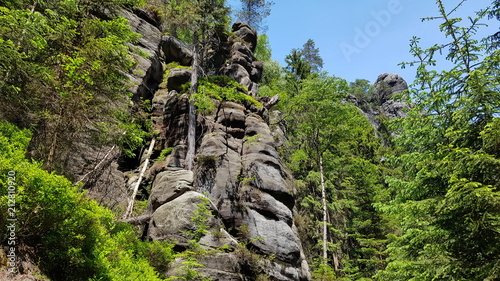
(447, 199)
(311, 55)
(254, 12)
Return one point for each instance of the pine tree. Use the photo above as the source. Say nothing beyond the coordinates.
(333, 160)
(447, 199)
(254, 12)
(311, 56)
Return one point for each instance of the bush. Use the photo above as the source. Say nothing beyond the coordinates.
(221, 88)
(74, 238)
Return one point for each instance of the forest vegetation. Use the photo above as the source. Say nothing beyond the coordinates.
(420, 201)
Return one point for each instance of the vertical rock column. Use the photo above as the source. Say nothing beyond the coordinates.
(238, 169)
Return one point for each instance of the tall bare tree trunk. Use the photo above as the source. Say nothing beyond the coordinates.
(191, 137)
(323, 202)
(131, 200)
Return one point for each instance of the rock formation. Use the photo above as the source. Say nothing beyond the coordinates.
(237, 167)
(381, 106)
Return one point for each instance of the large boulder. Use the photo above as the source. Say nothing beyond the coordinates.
(386, 86)
(169, 185)
(273, 237)
(178, 77)
(173, 220)
(176, 50)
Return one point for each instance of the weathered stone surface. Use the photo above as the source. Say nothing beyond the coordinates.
(218, 267)
(159, 102)
(280, 271)
(174, 128)
(278, 128)
(395, 109)
(217, 238)
(176, 50)
(239, 73)
(169, 185)
(242, 65)
(244, 31)
(148, 73)
(178, 77)
(269, 207)
(273, 237)
(257, 69)
(173, 219)
(237, 166)
(386, 86)
(176, 158)
(381, 102)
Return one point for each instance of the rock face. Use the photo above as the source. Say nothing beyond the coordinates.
(242, 65)
(388, 85)
(148, 73)
(176, 50)
(382, 106)
(237, 168)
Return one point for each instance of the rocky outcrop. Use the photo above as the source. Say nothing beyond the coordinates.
(177, 77)
(381, 106)
(149, 71)
(238, 173)
(242, 65)
(237, 168)
(386, 86)
(176, 50)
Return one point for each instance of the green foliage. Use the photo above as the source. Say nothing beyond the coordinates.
(446, 198)
(254, 12)
(263, 49)
(297, 67)
(188, 19)
(323, 272)
(73, 237)
(160, 254)
(62, 71)
(325, 131)
(362, 90)
(220, 88)
(165, 152)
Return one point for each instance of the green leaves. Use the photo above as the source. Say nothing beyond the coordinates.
(63, 71)
(220, 88)
(447, 199)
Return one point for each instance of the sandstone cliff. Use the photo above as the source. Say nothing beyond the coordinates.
(237, 166)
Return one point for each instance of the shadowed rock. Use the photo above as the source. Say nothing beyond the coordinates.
(176, 50)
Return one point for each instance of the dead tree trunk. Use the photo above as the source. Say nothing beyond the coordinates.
(191, 137)
(323, 202)
(131, 200)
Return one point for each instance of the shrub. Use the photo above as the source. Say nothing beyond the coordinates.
(221, 88)
(73, 237)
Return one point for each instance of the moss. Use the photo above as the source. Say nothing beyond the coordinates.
(221, 88)
(165, 152)
(166, 73)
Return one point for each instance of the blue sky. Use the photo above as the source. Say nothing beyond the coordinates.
(358, 38)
